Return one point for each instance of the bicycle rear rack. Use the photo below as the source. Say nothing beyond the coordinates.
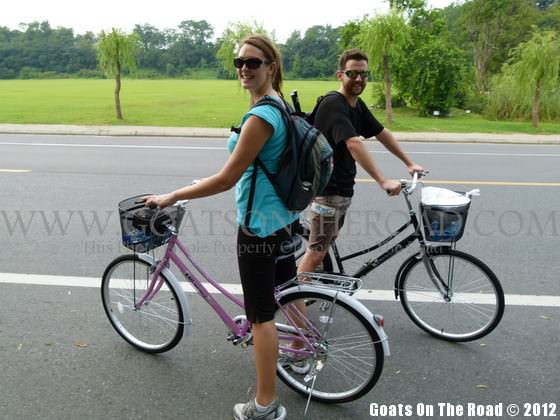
(337, 282)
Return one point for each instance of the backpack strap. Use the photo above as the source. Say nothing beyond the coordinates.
(251, 196)
(310, 118)
(267, 100)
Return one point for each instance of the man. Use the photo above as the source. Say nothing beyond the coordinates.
(345, 120)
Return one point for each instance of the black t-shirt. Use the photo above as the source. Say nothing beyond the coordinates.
(338, 121)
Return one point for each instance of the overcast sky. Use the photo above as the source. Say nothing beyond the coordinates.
(282, 16)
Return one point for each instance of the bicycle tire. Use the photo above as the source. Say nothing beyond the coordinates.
(472, 309)
(157, 326)
(352, 352)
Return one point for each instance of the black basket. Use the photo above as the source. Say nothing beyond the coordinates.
(444, 223)
(143, 228)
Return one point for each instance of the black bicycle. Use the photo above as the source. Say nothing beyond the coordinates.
(449, 294)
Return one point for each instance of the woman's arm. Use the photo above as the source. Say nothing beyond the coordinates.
(254, 134)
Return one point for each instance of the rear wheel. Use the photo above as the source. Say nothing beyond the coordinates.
(348, 357)
(470, 305)
(155, 326)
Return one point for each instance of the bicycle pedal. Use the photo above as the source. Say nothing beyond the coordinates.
(243, 341)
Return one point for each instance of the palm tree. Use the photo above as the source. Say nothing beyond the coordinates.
(536, 67)
(117, 52)
(383, 38)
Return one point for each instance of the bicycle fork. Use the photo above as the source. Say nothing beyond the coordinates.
(445, 289)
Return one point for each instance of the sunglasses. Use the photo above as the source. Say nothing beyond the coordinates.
(252, 63)
(353, 74)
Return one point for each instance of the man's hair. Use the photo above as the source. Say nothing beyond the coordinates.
(351, 54)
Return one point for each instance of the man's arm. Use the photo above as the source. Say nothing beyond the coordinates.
(359, 152)
(390, 142)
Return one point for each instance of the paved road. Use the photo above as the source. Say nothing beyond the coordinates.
(60, 358)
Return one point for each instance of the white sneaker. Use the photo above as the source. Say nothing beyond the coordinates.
(248, 411)
(298, 364)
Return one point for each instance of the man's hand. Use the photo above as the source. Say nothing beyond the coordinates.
(392, 187)
(415, 168)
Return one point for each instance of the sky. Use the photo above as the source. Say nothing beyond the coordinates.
(283, 16)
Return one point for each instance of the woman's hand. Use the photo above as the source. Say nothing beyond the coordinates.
(161, 201)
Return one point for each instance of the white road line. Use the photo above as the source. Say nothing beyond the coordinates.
(114, 146)
(138, 146)
(364, 294)
(411, 152)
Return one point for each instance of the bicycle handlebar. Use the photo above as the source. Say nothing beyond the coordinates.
(409, 186)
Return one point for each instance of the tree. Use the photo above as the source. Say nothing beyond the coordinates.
(494, 27)
(192, 47)
(349, 33)
(117, 51)
(228, 44)
(383, 38)
(431, 75)
(536, 67)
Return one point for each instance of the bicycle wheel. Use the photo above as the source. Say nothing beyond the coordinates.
(154, 327)
(470, 305)
(349, 354)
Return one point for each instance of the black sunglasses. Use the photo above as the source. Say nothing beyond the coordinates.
(353, 74)
(251, 63)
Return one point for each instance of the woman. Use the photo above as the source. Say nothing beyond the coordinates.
(263, 134)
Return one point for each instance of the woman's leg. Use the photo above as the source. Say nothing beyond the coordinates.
(265, 340)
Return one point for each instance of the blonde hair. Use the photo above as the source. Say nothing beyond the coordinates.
(271, 53)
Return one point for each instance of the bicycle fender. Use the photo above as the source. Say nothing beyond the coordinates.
(181, 294)
(350, 301)
(431, 250)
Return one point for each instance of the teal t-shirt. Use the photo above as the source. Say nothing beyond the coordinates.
(268, 212)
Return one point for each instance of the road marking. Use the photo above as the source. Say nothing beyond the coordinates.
(383, 152)
(138, 146)
(14, 171)
(114, 146)
(364, 294)
(495, 183)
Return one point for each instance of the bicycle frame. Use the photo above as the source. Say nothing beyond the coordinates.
(372, 264)
(240, 330)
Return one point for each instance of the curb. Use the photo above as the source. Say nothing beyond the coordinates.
(109, 130)
(202, 132)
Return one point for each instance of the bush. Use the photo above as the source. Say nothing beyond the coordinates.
(378, 94)
(28, 73)
(431, 75)
(200, 73)
(6, 73)
(34, 73)
(506, 101)
(90, 74)
(147, 74)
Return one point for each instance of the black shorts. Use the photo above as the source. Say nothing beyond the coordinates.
(260, 273)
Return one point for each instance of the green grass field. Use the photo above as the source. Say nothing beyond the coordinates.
(194, 103)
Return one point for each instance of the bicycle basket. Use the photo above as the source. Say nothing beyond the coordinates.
(444, 214)
(143, 228)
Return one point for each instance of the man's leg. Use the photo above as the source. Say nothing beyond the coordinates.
(311, 260)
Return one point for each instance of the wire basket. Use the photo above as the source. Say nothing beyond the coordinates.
(444, 223)
(143, 228)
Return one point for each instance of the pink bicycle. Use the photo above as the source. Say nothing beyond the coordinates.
(344, 344)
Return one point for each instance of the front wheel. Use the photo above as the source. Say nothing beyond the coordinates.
(156, 325)
(467, 304)
(348, 353)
